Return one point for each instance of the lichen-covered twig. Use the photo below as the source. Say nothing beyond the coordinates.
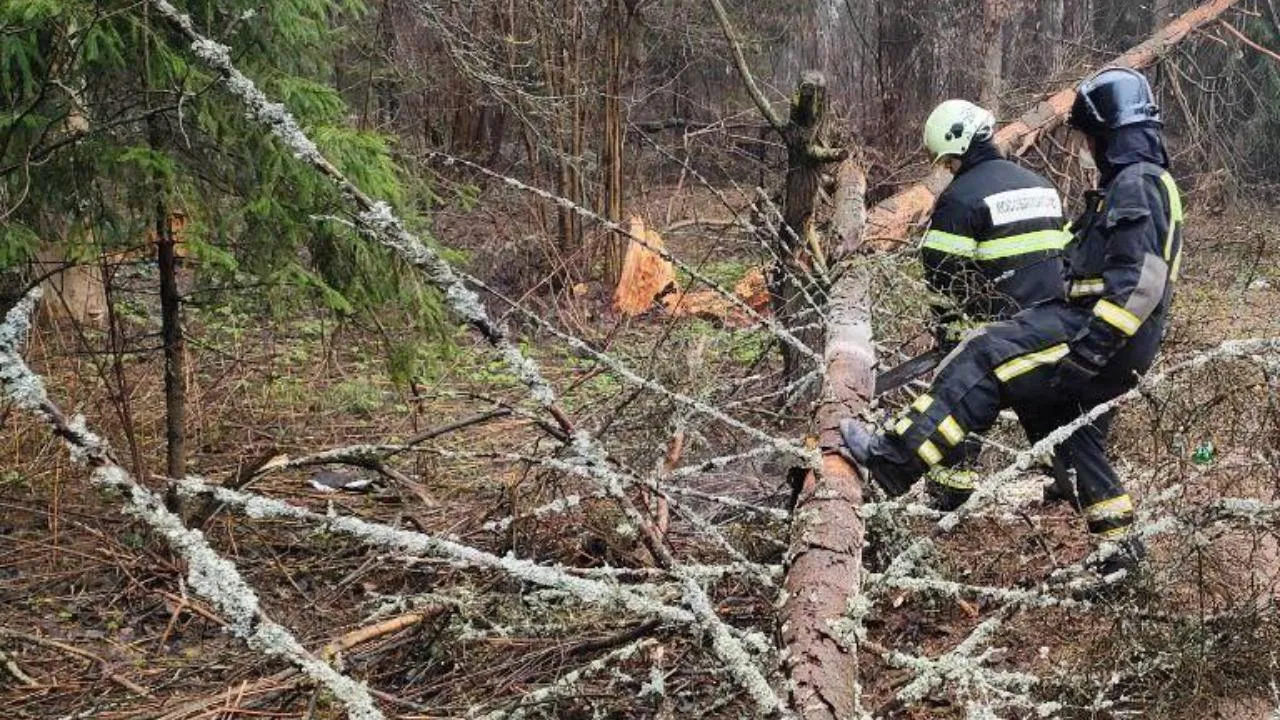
(964, 669)
(568, 683)
(780, 445)
(950, 588)
(415, 543)
(376, 218)
(208, 573)
(574, 466)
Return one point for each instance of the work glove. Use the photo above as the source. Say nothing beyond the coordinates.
(1073, 372)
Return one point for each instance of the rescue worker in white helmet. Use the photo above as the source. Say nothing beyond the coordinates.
(994, 246)
(1056, 361)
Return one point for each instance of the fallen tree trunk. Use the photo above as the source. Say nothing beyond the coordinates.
(826, 536)
(891, 220)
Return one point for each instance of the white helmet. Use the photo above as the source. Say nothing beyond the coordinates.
(953, 126)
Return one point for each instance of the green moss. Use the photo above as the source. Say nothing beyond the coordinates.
(357, 396)
(725, 273)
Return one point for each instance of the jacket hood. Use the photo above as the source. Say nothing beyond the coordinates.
(1125, 146)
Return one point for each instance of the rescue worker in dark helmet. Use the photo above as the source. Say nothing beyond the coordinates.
(994, 247)
(1055, 361)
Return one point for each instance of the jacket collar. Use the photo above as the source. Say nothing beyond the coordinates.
(979, 152)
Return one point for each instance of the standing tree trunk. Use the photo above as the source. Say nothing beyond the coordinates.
(1053, 25)
(560, 56)
(797, 277)
(615, 22)
(175, 391)
(994, 16)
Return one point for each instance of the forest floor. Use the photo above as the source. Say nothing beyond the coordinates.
(96, 621)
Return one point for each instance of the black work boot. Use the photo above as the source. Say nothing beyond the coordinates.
(858, 442)
(1059, 490)
(1130, 553)
(1063, 486)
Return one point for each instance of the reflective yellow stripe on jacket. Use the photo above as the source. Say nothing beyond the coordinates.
(967, 247)
(1038, 241)
(1176, 217)
(950, 243)
(1118, 317)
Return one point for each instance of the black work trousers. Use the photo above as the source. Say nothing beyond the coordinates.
(1011, 364)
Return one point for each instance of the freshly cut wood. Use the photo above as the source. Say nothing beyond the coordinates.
(76, 290)
(825, 569)
(890, 222)
(644, 273)
(707, 305)
(751, 289)
(754, 290)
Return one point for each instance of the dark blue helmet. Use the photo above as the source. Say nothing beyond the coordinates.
(1113, 98)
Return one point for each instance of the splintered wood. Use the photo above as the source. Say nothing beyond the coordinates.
(648, 279)
(645, 274)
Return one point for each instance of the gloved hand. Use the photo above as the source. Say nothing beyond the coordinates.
(1073, 371)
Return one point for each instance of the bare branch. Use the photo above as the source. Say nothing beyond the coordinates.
(739, 60)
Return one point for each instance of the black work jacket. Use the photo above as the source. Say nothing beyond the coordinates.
(995, 240)
(1124, 258)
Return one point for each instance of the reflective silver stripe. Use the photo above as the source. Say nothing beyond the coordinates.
(1149, 291)
(1038, 241)
(950, 243)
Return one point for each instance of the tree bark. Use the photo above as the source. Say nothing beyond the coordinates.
(1053, 24)
(827, 533)
(890, 222)
(794, 278)
(994, 15)
(175, 390)
(560, 55)
(612, 144)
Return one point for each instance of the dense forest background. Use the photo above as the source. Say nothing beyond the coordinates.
(594, 520)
